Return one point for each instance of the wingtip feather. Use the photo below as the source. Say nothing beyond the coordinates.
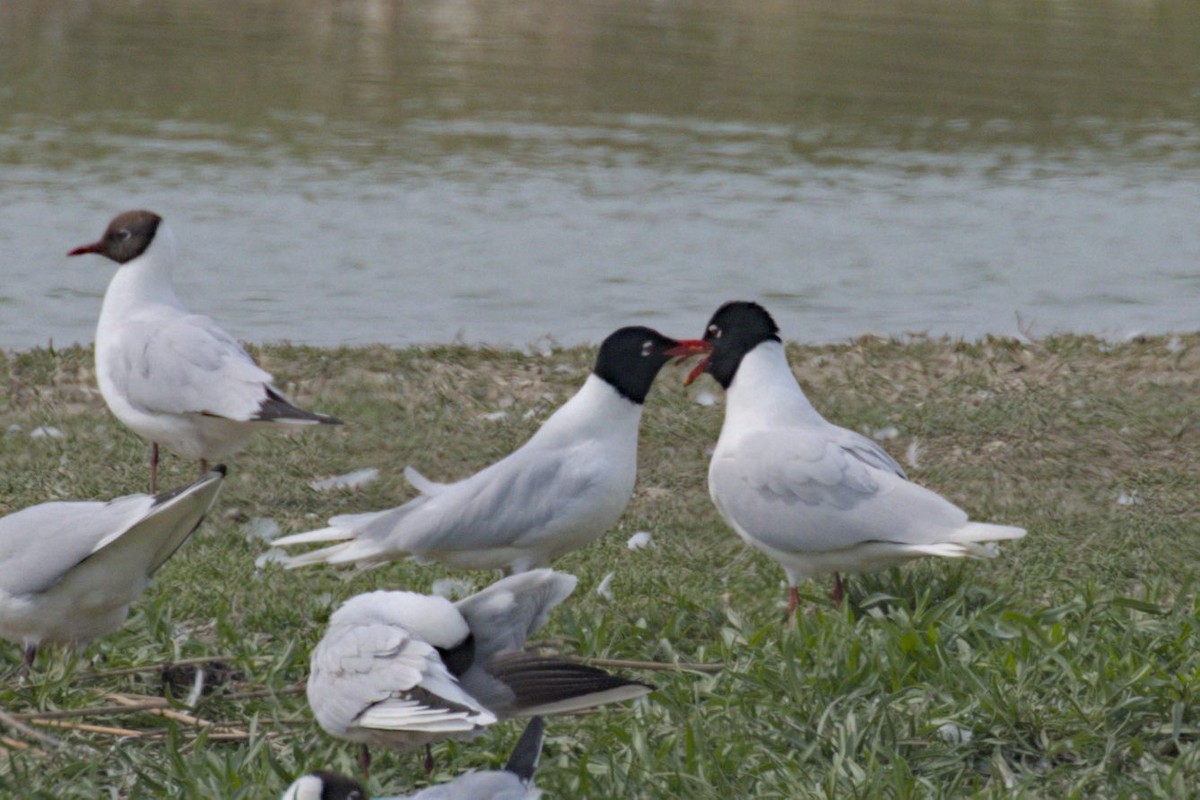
(619, 694)
(528, 751)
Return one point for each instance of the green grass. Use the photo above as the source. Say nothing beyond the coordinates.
(1067, 667)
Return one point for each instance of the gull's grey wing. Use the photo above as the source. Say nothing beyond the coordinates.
(172, 518)
(866, 450)
(802, 489)
(490, 785)
(525, 497)
(184, 363)
(502, 616)
(380, 676)
(40, 544)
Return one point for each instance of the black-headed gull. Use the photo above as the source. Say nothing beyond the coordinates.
(563, 488)
(324, 785)
(815, 497)
(69, 570)
(175, 378)
(514, 782)
(402, 669)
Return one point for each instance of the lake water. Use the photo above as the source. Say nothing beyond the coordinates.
(433, 170)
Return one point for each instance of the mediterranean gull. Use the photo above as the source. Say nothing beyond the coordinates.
(69, 570)
(402, 669)
(175, 377)
(563, 488)
(815, 497)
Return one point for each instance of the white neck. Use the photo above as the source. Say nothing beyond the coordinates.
(597, 409)
(144, 280)
(765, 394)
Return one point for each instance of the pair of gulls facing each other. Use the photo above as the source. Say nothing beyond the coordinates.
(815, 497)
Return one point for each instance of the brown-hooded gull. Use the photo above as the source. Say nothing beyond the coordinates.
(174, 377)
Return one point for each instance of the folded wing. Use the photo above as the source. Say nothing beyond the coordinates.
(802, 489)
(187, 365)
(381, 677)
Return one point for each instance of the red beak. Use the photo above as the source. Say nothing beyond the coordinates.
(697, 371)
(692, 347)
(689, 347)
(94, 247)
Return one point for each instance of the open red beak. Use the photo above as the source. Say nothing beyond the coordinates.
(94, 247)
(692, 347)
(697, 371)
(689, 347)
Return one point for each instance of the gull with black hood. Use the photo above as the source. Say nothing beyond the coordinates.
(514, 782)
(402, 669)
(559, 491)
(815, 497)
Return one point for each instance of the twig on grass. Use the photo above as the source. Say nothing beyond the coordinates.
(169, 713)
(88, 727)
(158, 665)
(10, 743)
(147, 704)
(13, 723)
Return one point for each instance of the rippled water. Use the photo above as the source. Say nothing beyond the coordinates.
(425, 171)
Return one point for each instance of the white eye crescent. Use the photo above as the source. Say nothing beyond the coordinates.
(715, 331)
(647, 347)
(123, 234)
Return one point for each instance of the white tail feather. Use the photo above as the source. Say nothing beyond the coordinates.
(986, 532)
(350, 522)
(410, 715)
(331, 534)
(948, 550)
(322, 556)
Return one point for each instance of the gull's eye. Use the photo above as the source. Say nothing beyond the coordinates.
(714, 331)
(647, 347)
(122, 235)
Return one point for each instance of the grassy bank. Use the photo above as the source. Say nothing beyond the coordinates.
(1069, 666)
